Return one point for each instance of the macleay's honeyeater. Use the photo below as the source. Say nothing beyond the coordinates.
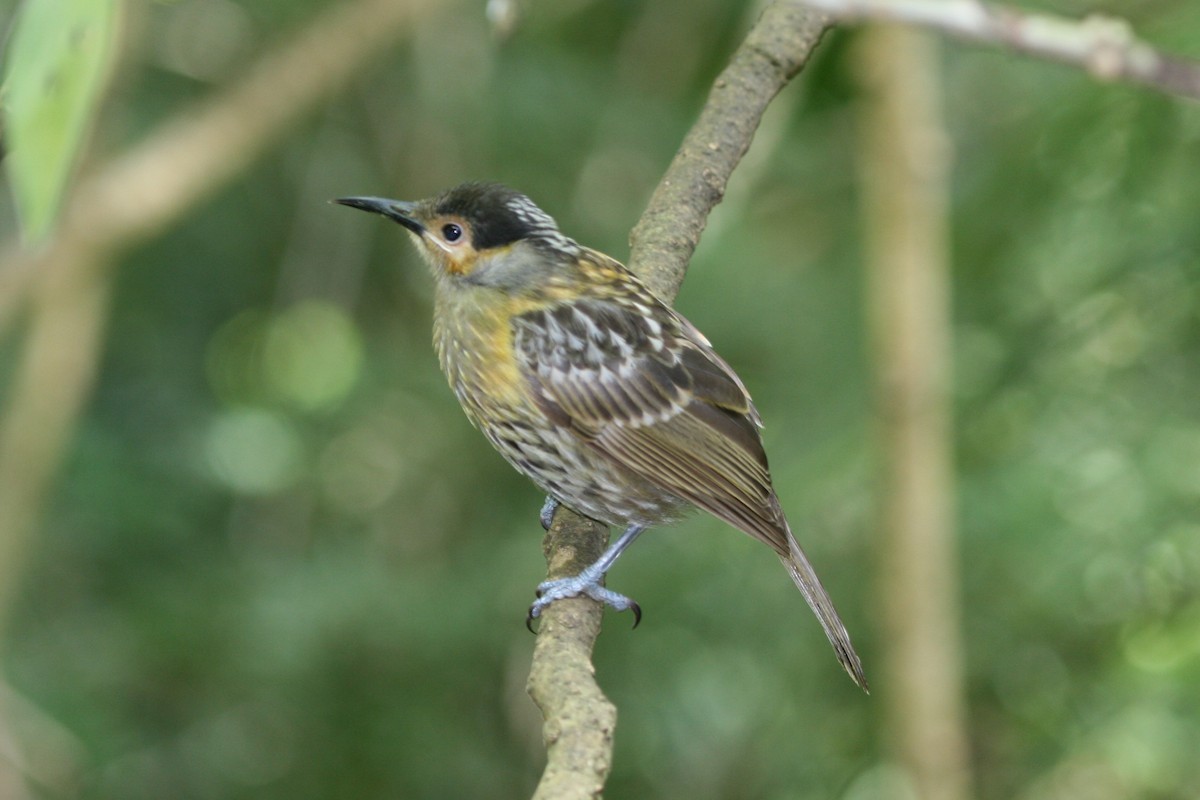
(606, 398)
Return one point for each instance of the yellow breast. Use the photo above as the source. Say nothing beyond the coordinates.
(474, 340)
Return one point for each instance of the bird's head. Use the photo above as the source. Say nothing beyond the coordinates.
(479, 233)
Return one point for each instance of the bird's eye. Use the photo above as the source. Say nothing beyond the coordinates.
(451, 232)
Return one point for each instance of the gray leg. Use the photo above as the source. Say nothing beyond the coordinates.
(547, 513)
(588, 582)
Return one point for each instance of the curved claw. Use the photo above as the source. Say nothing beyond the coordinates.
(579, 586)
(589, 582)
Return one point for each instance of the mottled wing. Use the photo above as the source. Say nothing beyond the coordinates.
(642, 386)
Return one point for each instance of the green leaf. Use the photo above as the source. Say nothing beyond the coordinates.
(58, 64)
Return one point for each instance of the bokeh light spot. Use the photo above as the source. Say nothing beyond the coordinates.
(361, 469)
(253, 451)
(313, 355)
(1159, 647)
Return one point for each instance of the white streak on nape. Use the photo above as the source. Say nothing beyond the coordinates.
(541, 225)
(529, 213)
(559, 242)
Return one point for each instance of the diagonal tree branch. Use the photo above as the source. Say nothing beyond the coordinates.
(774, 51)
(579, 719)
(1104, 46)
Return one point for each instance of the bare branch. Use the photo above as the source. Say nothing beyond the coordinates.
(776, 48)
(1103, 46)
(579, 719)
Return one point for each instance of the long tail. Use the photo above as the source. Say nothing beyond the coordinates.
(818, 600)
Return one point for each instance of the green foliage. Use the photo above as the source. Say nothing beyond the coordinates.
(280, 563)
(54, 75)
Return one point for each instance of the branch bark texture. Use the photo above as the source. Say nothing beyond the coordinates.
(1103, 46)
(579, 719)
(775, 50)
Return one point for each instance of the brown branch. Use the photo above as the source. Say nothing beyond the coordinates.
(776, 48)
(579, 719)
(1103, 46)
(905, 165)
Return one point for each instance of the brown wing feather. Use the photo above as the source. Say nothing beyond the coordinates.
(644, 388)
(649, 393)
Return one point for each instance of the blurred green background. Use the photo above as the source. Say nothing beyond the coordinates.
(278, 562)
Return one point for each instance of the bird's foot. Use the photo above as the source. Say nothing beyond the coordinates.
(546, 515)
(586, 583)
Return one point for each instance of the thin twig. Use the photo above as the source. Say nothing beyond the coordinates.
(1103, 46)
(579, 719)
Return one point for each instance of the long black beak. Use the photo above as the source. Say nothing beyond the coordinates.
(399, 210)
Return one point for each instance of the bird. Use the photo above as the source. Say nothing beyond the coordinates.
(610, 401)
